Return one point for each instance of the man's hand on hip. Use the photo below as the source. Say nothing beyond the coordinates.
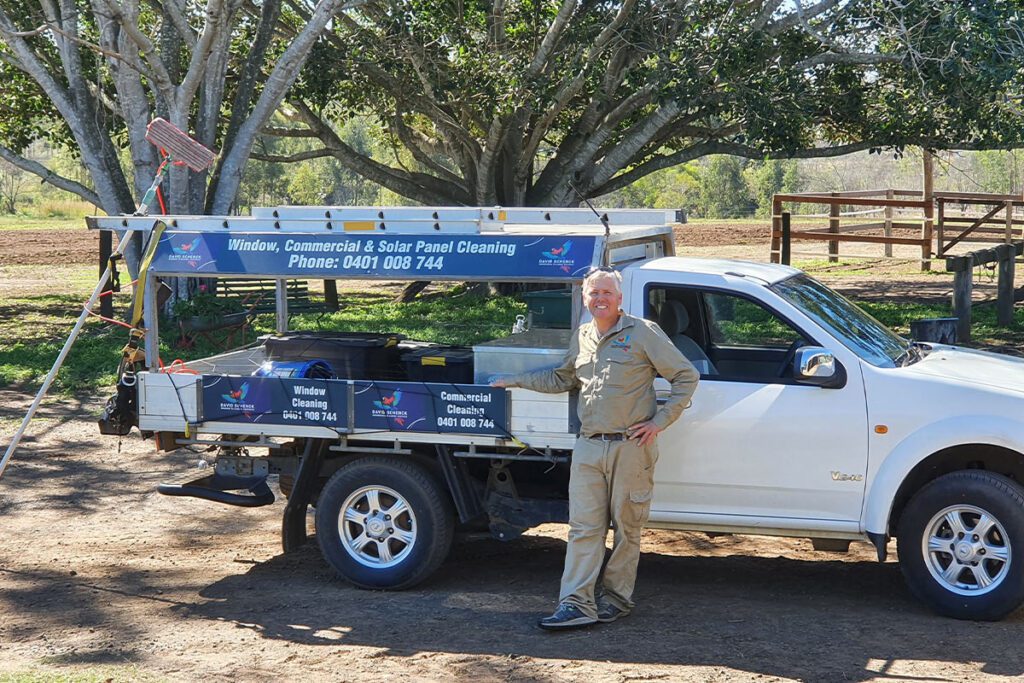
(644, 432)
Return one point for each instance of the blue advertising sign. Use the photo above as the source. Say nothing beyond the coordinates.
(275, 401)
(428, 407)
(426, 257)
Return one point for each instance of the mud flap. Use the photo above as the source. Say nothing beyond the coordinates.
(293, 525)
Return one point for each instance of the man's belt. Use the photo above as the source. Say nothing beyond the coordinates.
(610, 436)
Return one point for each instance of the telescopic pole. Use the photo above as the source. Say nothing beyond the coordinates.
(61, 356)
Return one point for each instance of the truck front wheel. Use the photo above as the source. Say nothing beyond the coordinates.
(961, 545)
(384, 523)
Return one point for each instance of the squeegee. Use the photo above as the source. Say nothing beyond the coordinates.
(176, 147)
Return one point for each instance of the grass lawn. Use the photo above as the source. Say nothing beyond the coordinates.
(33, 328)
(25, 223)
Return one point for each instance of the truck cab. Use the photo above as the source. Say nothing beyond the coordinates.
(811, 418)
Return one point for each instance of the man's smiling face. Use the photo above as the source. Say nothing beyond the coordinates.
(603, 299)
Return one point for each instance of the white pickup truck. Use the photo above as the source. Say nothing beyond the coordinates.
(811, 418)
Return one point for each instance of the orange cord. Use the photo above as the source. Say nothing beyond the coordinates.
(177, 366)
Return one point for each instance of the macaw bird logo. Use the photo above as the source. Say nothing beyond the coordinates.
(188, 247)
(389, 402)
(559, 252)
(188, 252)
(237, 396)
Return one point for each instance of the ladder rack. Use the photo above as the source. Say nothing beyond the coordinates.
(401, 220)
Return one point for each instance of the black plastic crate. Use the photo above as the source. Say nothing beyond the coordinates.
(351, 355)
(443, 364)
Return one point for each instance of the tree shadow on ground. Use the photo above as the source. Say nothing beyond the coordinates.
(60, 601)
(772, 616)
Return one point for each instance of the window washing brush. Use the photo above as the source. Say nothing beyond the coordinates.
(178, 146)
(175, 147)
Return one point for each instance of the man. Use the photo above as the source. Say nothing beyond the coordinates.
(613, 360)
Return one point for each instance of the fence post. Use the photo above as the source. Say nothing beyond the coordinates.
(887, 229)
(786, 228)
(1007, 256)
(940, 228)
(1009, 222)
(776, 229)
(962, 287)
(929, 207)
(331, 294)
(833, 226)
(106, 248)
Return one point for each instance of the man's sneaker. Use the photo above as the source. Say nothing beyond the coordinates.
(566, 616)
(607, 612)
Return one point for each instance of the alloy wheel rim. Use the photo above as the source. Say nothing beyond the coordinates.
(966, 549)
(377, 527)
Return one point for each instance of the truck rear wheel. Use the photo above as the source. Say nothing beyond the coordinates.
(961, 545)
(384, 523)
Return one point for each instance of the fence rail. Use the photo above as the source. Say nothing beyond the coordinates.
(987, 228)
(948, 220)
(841, 227)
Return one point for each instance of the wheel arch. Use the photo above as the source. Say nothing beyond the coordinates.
(966, 442)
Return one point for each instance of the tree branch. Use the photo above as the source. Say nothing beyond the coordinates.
(282, 132)
(176, 12)
(292, 158)
(158, 72)
(801, 15)
(281, 78)
(551, 38)
(416, 186)
(48, 176)
(864, 58)
(402, 131)
(765, 14)
(215, 24)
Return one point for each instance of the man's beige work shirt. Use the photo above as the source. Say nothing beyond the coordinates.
(615, 375)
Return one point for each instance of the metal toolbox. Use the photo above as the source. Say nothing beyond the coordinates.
(531, 350)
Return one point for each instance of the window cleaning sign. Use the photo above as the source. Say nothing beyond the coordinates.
(275, 401)
(429, 257)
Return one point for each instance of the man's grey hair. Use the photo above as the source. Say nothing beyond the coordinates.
(601, 273)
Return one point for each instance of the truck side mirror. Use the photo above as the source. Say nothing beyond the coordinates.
(817, 366)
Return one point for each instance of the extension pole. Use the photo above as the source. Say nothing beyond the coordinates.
(60, 357)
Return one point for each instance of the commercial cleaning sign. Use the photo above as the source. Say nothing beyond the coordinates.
(429, 407)
(329, 256)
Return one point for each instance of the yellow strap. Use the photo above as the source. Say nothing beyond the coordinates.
(147, 259)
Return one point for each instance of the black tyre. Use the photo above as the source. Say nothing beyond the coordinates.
(384, 523)
(961, 545)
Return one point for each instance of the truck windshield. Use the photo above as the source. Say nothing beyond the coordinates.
(861, 333)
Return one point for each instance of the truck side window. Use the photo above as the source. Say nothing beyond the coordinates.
(734, 321)
(747, 342)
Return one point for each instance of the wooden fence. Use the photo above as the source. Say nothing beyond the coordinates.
(867, 217)
(890, 217)
(974, 217)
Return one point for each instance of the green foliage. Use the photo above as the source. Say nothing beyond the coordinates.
(457, 316)
(767, 178)
(670, 188)
(723, 190)
(1000, 171)
(205, 306)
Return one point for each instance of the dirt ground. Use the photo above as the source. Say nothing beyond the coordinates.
(102, 577)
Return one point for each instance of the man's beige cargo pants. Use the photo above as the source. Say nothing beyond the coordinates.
(608, 481)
